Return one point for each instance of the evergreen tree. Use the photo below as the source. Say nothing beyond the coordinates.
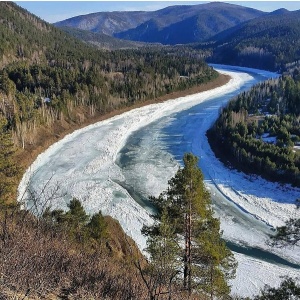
(289, 234)
(79, 225)
(160, 275)
(8, 168)
(76, 212)
(288, 290)
(97, 227)
(207, 263)
(216, 260)
(75, 220)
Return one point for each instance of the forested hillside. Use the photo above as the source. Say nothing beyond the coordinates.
(103, 41)
(259, 131)
(48, 75)
(267, 42)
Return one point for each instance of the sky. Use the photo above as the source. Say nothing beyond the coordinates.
(54, 11)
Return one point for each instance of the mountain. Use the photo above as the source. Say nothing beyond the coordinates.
(107, 22)
(267, 42)
(172, 25)
(279, 11)
(103, 41)
(24, 37)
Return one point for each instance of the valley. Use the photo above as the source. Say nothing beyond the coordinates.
(97, 112)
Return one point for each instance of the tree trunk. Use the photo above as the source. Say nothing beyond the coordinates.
(187, 281)
(186, 254)
(189, 250)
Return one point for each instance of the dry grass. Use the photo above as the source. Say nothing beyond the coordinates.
(38, 261)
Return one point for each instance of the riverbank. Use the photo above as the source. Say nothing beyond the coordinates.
(48, 136)
(91, 151)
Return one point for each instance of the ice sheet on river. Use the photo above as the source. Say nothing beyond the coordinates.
(82, 165)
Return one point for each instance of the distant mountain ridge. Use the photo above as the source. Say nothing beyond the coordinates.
(171, 25)
(230, 34)
(103, 41)
(267, 42)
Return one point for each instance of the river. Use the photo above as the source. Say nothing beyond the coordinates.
(113, 166)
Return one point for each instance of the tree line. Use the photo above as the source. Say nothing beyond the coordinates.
(269, 42)
(259, 130)
(270, 109)
(35, 95)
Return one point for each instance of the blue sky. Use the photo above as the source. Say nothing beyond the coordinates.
(53, 11)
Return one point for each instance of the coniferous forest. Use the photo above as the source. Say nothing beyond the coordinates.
(49, 75)
(259, 130)
(270, 42)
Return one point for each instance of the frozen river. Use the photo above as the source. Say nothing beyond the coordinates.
(114, 165)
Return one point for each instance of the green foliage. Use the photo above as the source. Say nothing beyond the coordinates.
(288, 290)
(163, 270)
(9, 171)
(207, 262)
(269, 42)
(217, 262)
(76, 213)
(80, 227)
(97, 227)
(245, 122)
(186, 187)
(288, 234)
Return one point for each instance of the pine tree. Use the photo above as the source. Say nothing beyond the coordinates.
(207, 263)
(8, 168)
(216, 260)
(76, 212)
(160, 275)
(75, 220)
(289, 289)
(289, 234)
(97, 227)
